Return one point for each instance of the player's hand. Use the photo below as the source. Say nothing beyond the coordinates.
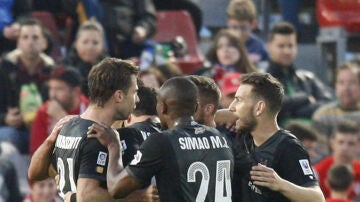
(67, 197)
(149, 194)
(266, 177)
(14, 118)
(58, 126)
(227, 118)
(55, 110)
(57, 180)
(105, 134)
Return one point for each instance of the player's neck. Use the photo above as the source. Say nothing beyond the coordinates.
(137, 119)
(183, 120)
(264, 130)
(99, 115)
(339, 195)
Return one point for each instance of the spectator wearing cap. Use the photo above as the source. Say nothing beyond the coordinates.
(65, 98)
(228, 86)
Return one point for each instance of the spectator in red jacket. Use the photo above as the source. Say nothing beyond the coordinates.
(65, 97)
(344, 145)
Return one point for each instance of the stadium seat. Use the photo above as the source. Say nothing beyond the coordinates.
(179, 23)
(343, 13)
(48, 21)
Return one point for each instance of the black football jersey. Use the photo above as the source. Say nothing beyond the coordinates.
(282, 152)
(76, 156)
(190, 162)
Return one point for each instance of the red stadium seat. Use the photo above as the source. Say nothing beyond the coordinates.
(343, 13)
(48, 21)
(179, 23)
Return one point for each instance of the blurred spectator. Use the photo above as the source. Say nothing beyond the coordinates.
(65, 98)
(128, 24)
(304, 92)
(227, 54)
(188, 5)
(43, 191)
(88, 49)
(241, 17)
(309, 139)
(344, 144)
(149, 78)
(11, 13)
(347, 105)
(23, 76)
(9, 182)
(228, 86)
(340, 182)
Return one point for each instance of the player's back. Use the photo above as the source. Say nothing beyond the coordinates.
(76, 156)
(190, 162)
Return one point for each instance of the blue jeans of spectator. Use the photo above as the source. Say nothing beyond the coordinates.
(290, 10)
(19, 138)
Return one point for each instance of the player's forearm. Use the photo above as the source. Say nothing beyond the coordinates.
(96, 194)
(115, 166)
(298, 193)
(40, 161)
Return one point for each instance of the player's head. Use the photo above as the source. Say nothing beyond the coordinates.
(209, 97)
(147, 103)
(259, 95)
(282, 45)
(345, 141)
(114, 80)
(241, 17)
(340, 178)
(64, 87)
(177, 97)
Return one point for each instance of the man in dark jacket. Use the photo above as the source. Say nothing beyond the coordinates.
(304, 93)
(128, 24)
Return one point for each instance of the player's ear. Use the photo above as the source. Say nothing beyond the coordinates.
(260, 107)
(209, 109)
(118, 96)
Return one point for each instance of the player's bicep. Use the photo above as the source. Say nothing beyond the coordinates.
(90, 190)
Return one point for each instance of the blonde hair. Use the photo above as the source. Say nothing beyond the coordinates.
(242, 10)
(91, 24)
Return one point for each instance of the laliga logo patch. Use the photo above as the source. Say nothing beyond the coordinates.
(101, 158)
(305, 166)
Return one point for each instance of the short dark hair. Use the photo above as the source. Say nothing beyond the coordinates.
(282, 28)
(302, 131)
(107, 76)
(147, 103)
(340, 177)
(69, 75)
(347, 127)
(209, 92)
(183, 95)
(32, 22)
(265, 87)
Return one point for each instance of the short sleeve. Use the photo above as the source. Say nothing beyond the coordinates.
(93, 160)
(130, 141)
(294, 165)
(149, 159)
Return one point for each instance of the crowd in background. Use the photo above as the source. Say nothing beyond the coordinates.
(44, 78)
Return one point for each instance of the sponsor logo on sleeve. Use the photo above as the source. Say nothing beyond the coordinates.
(305, 166)
(137, 158)
(100, 169)
(101, 158)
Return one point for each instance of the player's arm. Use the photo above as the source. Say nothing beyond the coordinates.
(40, 166)
(267, 177)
